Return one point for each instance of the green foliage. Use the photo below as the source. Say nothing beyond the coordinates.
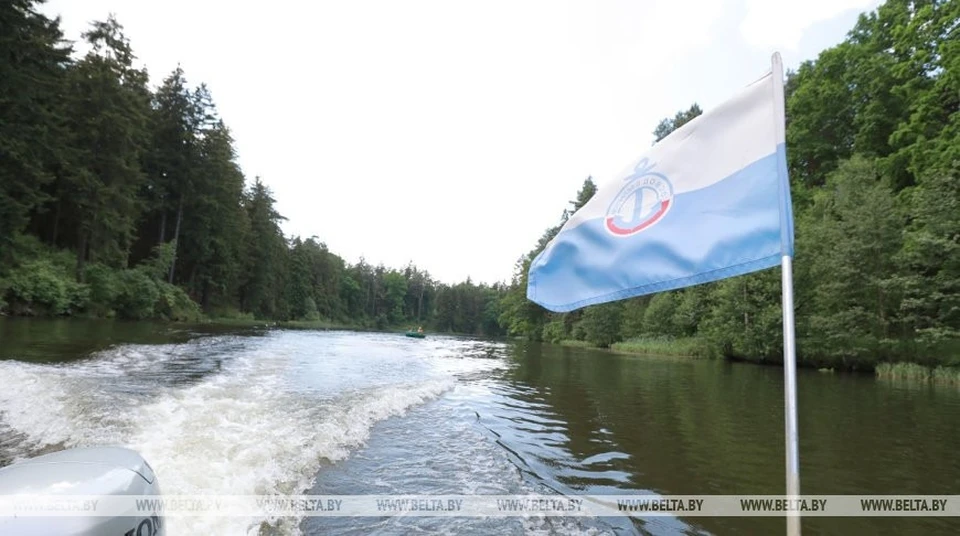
(174, 304)
(108, 107)
(394, 290)
(856, 297)
(42, 287)
(658, 316)
(631, 321)
(601, 324)
(141, 295)
(33, 125)
(105, 288)
(684, 346)
(747, 320)
(555, 331)
(682, 117)
(914, 373)
(931, 257)
(138, 295)
(693, 307)
(158, 266)
(310, 310)
(45, 285)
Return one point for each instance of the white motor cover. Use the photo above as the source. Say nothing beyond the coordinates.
(81, 471)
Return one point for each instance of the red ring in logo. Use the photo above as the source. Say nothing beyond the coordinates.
(654, 218)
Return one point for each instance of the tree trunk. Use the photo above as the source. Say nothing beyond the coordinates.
(191, 289)
(163, 227)
(56, 224)
(205, 295)
(176, 239)
(420, 301)
(81, 254)
(746, 315)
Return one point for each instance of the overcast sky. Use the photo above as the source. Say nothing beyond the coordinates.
(452, 133)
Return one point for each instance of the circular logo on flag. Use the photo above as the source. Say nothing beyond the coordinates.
(644, 199)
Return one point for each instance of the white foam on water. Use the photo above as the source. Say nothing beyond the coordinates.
(231, 437)
(239, 431)
(54, 405)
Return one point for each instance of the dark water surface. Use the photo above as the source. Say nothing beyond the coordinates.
(251, 412)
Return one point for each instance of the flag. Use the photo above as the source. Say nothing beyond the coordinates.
(708, 202)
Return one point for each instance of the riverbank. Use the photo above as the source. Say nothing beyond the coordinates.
(249, 322)
(38, 280)
(911, 372)
(319, 325)
(663, 346)
(943, 371)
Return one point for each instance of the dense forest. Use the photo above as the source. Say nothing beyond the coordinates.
(873, 147)
(120, 200)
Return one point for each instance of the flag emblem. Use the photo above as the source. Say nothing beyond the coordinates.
(643, 201)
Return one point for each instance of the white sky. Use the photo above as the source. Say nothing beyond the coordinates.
(452, 133)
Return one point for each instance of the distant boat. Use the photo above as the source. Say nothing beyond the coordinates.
(416, 334)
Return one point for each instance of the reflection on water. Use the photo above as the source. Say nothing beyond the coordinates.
(59, 340)
(350, 413)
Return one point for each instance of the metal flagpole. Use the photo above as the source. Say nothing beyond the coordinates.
(789, 341)
(790, 394)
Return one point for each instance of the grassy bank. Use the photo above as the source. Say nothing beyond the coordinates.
(680, 347)
(912, 372)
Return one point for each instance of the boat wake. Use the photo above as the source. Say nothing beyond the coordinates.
(231, 424)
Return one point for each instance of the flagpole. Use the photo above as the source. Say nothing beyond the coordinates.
(789, 331)
(790, 394)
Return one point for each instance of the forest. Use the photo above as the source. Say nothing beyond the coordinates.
(873, 149)
(122, 201)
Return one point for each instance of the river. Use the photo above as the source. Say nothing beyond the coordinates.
(256, 411)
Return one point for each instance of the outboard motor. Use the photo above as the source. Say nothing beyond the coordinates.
(98, 471)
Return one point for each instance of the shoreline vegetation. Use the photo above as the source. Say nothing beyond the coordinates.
(913, 373)
(318, 325)
(661, 346)
(692, 348)
(121, 197)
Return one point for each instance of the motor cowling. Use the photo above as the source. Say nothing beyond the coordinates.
(93, 471)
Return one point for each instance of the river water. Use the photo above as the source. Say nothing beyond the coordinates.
(249, 412)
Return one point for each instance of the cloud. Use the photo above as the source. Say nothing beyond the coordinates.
(782, 23)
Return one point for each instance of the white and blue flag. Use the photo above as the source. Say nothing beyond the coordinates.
(709, 201)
